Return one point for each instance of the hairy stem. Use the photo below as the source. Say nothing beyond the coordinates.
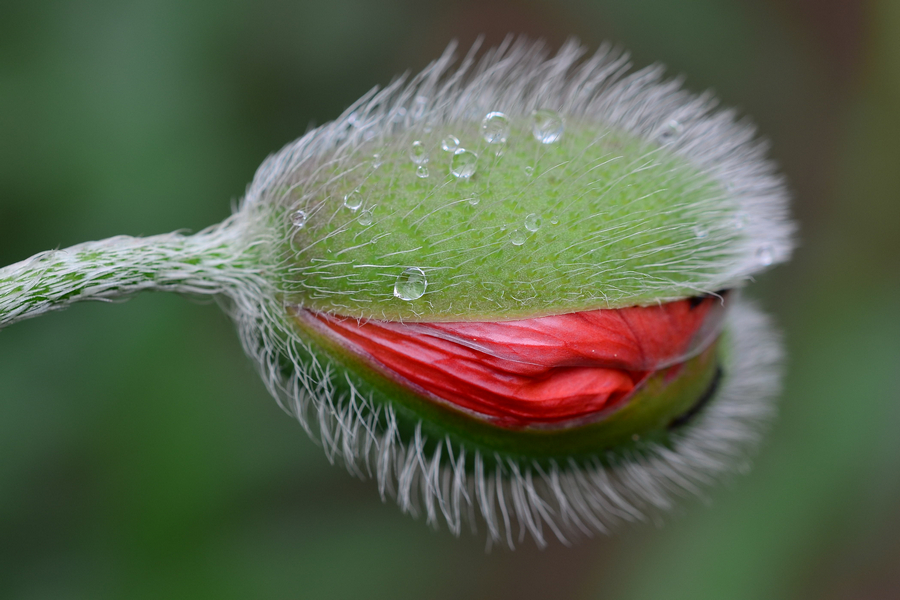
(212, 262)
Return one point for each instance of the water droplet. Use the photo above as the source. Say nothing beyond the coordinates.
(547, 126)
(365, 217)
(422, 172)
(529, 170)
(353, 200)
(740, 219)
(450, 143)
(298, 219)
(554, 220)
(376, 160)
(764, 255)
(411, 284)
(700, 232)
(533, 222)
(473, 200)
(495, 128)
(418, 154)
(670, 130)
(517, 238)
(463, 163)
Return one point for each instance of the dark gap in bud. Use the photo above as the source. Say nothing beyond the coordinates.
(695, 301)
(688, 415)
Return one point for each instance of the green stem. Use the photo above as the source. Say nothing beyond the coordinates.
(213, 262)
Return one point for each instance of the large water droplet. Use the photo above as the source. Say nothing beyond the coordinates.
(450, 143)
(353, 200)
(547, 126)
(463, 163)
(418, 154)
(495, 128)
(411, 284)
(533, 222)
(517, 238)
(764, 255)
(670, 131)
(422, 172)
(298, 219)
(365, 217)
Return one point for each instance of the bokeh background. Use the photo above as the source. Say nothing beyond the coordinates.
(140, 456)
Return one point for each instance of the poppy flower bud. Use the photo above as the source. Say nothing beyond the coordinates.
(508, 289)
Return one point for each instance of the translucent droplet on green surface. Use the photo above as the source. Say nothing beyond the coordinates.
(700, 232)
(422, 171)
(517, 238)
(463, 163)
(533, 222)
(365, 217)
(411, 284)
(450, 143)
(353, 200)
(418, 154)
(298, 219)
(495, 128)
(546, 126)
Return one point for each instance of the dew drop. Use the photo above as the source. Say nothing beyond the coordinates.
(532, 222)
(764, 255)
(700, 232)
(517, 238)
(495, 128)
(529, 170)
(554, 220)
(450, 143)
(473, 200)
(411, 284)
(670, 130)
(376, 160)
(298, 219)
(353, 200)
(365, 217)
(418, 154)
(740, 219)
(422, 172)
(463, 163)
(547, 126)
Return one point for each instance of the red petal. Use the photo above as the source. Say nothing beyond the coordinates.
(531, 371)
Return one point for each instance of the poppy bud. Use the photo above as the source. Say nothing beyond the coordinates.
(507, 289)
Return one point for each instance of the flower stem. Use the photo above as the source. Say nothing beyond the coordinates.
(211, 262)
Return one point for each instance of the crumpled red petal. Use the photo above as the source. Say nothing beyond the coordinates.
(529, 372)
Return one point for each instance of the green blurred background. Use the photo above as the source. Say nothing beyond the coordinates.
(140, 456)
